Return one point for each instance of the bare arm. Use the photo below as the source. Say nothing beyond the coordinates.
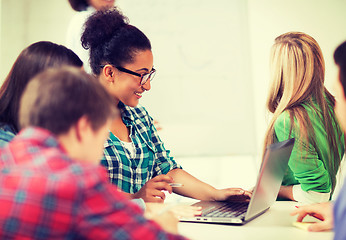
(194, 188)
(286, 192)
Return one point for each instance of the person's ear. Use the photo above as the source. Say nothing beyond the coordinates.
(108, 72)
(82, 128)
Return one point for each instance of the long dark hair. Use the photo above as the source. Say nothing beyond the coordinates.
(111, 39)
(31, 61)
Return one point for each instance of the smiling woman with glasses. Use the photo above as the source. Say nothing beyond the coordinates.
(135, 156)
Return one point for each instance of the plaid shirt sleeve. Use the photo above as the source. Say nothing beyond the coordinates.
(163, 161)
(107, 214)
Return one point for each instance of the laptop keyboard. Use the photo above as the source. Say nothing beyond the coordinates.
(231, 209)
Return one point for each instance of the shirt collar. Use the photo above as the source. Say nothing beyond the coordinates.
(125, 112)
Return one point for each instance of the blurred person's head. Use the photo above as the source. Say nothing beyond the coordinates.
(31, 61)
(120, 55)
(73, 106)
(297, 70)
(82, 5)
(340, 84)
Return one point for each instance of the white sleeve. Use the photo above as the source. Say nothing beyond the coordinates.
(73, 37)
(310, 196)
(140, 202)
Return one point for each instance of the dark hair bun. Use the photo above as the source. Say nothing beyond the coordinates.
(111, 39)
(102, 26)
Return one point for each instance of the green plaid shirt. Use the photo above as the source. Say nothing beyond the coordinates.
(151, 159)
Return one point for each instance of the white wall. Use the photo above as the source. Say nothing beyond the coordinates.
(26, 21)
(202, 93)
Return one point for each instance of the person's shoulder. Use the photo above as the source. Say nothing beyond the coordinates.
(76, 178)
(76, 23)
(80, 17)
(7, 133)
(8, 128)
(86, 174)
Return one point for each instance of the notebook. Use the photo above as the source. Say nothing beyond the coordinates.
(273, 167)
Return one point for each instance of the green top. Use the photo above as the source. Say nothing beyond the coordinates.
(309, 165)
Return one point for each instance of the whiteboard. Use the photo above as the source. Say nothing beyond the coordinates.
(202, 92)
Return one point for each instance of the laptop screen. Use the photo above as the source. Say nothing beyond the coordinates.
(273, 167)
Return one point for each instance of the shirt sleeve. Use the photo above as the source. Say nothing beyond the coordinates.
(140, 202)
(5, 137)
(340, 215)
(163, 162)
(304, 162)
(73, 37)
(107, 214)
(310, 196)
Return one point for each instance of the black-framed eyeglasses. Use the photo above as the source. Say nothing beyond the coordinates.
(144, 77)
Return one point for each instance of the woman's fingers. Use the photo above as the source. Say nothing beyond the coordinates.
(162, 178)
(163, 186)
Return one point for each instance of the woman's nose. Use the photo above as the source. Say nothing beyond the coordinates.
(147, 86)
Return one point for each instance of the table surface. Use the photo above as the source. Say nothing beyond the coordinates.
(276, 223)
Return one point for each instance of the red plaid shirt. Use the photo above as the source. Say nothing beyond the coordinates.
(44, 194)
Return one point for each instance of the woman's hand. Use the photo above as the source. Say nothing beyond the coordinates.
(322, 211)
(152, 190)
(232, 194)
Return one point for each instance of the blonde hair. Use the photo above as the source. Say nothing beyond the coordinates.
(297, 77)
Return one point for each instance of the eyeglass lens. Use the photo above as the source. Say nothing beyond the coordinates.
(148, 76)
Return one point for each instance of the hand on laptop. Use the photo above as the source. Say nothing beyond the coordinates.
(322, 211)
(232, 194)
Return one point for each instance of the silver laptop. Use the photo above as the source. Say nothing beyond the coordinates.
(273, 167)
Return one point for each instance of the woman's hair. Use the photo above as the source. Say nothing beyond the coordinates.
(297, 77)
(32, 60)
(340, 60)
(79, 5)
(57, 98)
(111, 39)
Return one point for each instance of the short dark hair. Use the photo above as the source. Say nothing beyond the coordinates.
(57, 98)
(111, 39)
(79, 5)
(340, 60)
(32, 60)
